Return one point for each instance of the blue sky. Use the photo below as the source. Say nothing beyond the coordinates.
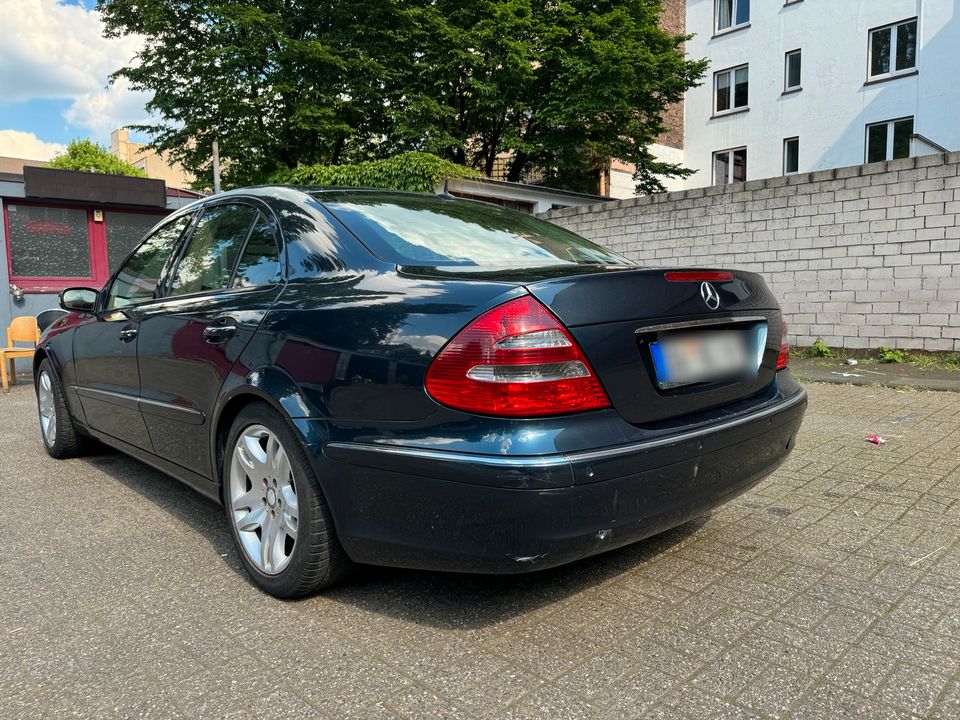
(44, 118)
(54, 69)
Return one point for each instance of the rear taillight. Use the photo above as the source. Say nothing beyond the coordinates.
(515, 360)
(783, 359)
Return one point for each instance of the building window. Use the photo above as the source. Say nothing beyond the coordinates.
(730, 166)
(893, 50)
(56, 246)
(889, 140)
(731, 14)
(791, 156)
(124, 231)
(791, 71)
(731, 89)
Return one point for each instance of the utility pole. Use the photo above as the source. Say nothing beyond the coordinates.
(216, 167)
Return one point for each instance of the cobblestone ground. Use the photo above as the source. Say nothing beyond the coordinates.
(831, 590)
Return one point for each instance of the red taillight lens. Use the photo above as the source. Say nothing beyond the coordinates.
(698, 276)
(783, 359)
(515, 360)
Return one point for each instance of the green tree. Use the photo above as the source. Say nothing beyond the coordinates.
(551, 85)
(89, 156)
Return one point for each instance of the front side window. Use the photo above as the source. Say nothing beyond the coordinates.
(730, 14)
(791, 71)
(124, 231)
(893, 50)
(791, 156)
(138, 278)
(730, 166)
(208, 261)
(889, 140)
(731, 89)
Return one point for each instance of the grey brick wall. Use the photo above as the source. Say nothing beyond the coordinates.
(860, 256)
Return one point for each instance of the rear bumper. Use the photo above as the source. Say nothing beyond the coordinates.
(436, 510)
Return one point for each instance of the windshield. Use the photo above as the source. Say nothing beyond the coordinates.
(429, 230)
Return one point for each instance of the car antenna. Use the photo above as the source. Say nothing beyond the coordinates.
(445, 193)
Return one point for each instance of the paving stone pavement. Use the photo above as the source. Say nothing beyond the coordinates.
(831, 590)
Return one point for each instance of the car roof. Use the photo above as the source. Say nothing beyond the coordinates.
(314, 190)
(320, 193)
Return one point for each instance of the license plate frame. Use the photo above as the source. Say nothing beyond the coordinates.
(702, 343)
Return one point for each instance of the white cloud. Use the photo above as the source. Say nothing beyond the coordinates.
(105, 109)
(55, 51)
(14, 143)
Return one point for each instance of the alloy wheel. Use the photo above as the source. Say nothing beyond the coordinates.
(263, 499)
(48, 409)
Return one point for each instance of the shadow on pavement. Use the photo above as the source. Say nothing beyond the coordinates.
(465, 601)
(437, 599)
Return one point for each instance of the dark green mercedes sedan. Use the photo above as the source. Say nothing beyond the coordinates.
(362, 376)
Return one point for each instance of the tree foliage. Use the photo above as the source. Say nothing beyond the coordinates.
(553, 85)
(413, 171)
(89, 156)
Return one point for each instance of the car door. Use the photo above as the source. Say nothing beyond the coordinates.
(226, 278)
(105, 349)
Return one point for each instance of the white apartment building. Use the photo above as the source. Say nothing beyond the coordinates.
(804, 85)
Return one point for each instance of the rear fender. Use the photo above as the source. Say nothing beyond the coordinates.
(277, 389)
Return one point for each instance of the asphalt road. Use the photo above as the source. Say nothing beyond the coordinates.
(831, 590)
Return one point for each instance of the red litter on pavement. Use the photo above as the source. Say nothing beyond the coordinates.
(875, 439)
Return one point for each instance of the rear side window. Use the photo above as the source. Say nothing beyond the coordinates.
(428, 230)
(260, 261)
(138, 278)
(212, 250)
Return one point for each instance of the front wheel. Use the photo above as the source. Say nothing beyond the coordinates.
(280, 520)
(60, 436)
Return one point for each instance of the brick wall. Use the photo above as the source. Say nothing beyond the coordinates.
(859, 256)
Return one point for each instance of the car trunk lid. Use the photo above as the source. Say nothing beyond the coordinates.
(621, 319)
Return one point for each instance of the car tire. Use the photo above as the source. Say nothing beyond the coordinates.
(57, 430)
(270, 490)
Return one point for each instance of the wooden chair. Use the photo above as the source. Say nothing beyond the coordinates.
(23, 329)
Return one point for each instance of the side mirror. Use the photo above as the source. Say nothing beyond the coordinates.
(78, 299)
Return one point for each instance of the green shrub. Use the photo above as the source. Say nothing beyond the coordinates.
(891, 355)
(821, 349)
(413, 171)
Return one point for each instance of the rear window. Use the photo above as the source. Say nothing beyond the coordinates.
(428, 230)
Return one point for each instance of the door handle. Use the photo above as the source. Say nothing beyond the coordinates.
(219, 333)
(128, 334)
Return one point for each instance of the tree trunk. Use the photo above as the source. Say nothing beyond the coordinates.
(338, 148)
(491, 159)
(517, 167)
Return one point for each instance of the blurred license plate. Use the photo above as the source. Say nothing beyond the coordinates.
(706, 356)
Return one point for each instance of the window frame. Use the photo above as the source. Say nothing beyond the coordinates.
(732, 72)
(184, 243)
(734, 26)
(100, 275)
(787, 87)
(281, 260)
(892, 72)
(730, 154)
(786, 141)
(891, 127)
